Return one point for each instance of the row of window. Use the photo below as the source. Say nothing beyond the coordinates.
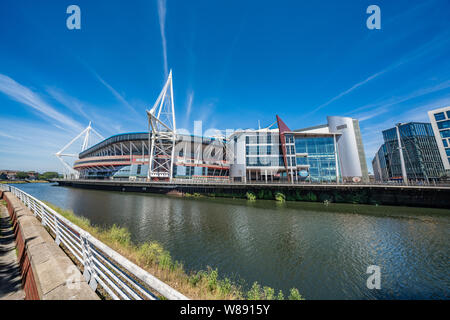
(189, 171)
(311, 146)
(261, 150)
(289, 138)
(444, 124)
(265, 161)
(259, 138)
(441, 116)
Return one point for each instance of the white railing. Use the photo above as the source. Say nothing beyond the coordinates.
(104, 267)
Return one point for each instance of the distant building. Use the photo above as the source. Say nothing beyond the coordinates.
(8, 174)
(440, 121)
(420, 154)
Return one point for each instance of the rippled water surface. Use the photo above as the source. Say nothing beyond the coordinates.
(323, 251)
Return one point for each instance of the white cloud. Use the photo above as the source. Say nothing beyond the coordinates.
(71, 103)
(115, 93)
(425, 50)
(189, 104)
(162, 8)
(23, 95)
(385, 105)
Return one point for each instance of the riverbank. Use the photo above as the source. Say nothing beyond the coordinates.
(22, 181)
(393, 195)
(151, 256)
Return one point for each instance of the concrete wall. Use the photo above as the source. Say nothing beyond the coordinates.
(45, 266)
(429, 197)
(351, 161)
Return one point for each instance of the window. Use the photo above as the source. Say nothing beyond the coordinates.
(444, 124)
(448, 152)
(445, 133)
(247, 139)
(302, 160)
(444, 141)
(439, 116)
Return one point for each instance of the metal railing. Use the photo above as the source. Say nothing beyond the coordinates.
(120, 278)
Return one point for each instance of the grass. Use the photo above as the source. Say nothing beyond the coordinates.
(22, 181)
(151, 256)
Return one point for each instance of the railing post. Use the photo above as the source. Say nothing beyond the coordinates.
(43, 218)
(57, 232)
(89, 271)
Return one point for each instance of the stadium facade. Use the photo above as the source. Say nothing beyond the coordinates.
(331, 152)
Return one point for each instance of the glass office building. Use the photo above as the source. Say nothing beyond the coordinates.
(420, 153)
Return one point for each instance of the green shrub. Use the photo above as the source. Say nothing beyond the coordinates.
(212, 279)
(261, 194)
(269, 293)
(268, 195)
(225, 287)
(310, 196)
(280, 197)
(295, 295)
(250, 196)
(255, 292)
(118, 235)
(195, 278)
(280, 295)
(298, 196)
(149, 253)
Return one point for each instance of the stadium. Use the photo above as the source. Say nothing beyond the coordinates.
(331, 152)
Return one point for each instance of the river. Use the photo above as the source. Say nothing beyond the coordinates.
(324, 251)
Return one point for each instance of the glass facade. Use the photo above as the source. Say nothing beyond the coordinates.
(445, 133)
(420, 152)
(439, 116)
(320, 157)
(263, 150)
(443, 124)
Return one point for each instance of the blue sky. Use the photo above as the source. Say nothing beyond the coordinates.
(234, 63)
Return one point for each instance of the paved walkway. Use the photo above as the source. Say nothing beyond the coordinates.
(10, 280)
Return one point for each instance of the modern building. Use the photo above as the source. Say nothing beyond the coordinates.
(440, 122)
(325, 153)
(419, 159)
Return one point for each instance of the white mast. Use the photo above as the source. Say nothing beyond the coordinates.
(69, 172)
(162, 127)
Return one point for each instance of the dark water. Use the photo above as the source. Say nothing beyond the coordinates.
(323, 251)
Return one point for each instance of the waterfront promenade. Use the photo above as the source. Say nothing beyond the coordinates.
(10, 278)
(58, 260)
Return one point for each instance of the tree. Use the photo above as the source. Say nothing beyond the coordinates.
(21, 175)
(48, 175)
